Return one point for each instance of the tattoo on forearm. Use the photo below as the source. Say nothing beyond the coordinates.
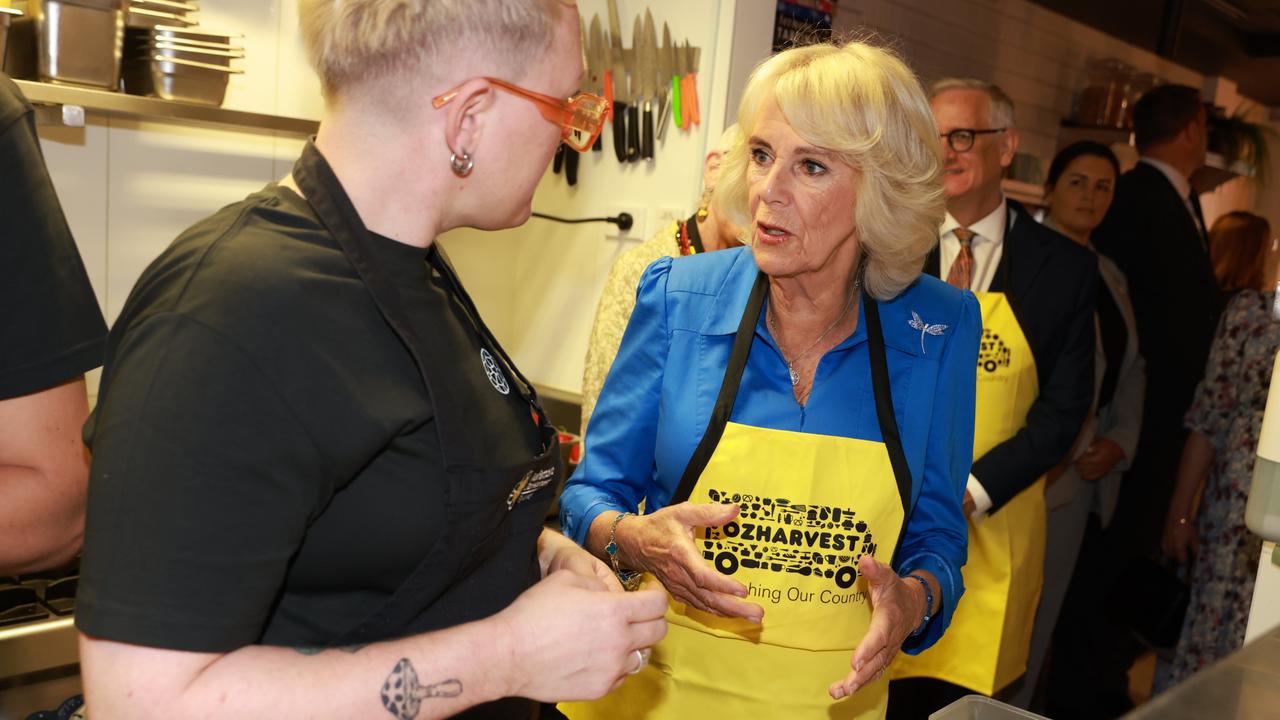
(318, 650)
(402, 694)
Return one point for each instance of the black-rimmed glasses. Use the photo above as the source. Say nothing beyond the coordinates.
(961, 139)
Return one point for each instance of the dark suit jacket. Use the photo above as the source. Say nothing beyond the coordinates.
(1176, 302)
(1051, 284)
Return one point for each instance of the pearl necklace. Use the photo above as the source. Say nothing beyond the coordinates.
(791, 364)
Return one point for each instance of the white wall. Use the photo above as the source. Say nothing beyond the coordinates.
(1036, 56)
(537, 285)
(1039, 58)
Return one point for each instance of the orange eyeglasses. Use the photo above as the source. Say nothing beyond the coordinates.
(580, 118)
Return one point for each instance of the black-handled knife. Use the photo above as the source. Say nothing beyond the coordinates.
(570, 165)
(618, 83)
(636, 94)
(647, 61)
(633, 133)
(620, 128)
(646, 141)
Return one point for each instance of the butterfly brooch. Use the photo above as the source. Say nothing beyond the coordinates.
(917, 324)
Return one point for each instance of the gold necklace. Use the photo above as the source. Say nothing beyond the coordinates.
(791, 364)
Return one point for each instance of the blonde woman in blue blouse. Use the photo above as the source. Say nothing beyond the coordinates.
(797, 415)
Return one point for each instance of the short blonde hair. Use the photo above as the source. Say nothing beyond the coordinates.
(864, 103)
(352, 42)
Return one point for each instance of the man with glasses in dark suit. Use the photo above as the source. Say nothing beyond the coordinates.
(1035, 384)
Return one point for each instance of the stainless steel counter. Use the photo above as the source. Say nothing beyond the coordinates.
(1243, 686)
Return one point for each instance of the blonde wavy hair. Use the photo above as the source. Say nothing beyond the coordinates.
(865, 104)
(352, 42)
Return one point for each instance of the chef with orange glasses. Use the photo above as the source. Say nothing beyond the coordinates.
(319, 482)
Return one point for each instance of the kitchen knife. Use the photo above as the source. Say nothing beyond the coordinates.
(634, 90)
(571, 158)
(667, 85)
(619, 84)
(648, 82)
(596, 67)
(694, 55)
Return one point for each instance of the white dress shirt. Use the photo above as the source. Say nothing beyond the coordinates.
(987, 247)
(1179, 183)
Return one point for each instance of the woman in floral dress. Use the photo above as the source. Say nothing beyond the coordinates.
(1216, 468)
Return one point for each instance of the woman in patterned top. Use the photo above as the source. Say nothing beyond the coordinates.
(1205, 524)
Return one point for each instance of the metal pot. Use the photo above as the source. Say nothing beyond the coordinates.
(7, 15)
(71, 41)
(175, 79)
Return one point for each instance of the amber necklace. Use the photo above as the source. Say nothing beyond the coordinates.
(791, 364)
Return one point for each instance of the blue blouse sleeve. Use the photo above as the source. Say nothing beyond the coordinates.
(936, 538)
(618, 464)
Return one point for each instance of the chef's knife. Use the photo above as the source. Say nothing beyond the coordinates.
(667, 86)
(648, 82)
(692, 55)
(619, 78)
(635, 88)
(596, 66)
(571, 158)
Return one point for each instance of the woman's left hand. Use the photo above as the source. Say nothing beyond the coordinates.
(896, 608)
(557, 552)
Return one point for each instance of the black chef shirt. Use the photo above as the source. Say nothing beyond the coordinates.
(51, 329)
(267, 467)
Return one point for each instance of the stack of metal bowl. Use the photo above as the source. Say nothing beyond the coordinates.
(167, 13)
(180, 63)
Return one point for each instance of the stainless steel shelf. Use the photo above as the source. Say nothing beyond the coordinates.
(145, 108)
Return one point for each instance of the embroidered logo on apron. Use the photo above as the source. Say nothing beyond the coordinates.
(777, 535)
(993, 354)
(494, 372)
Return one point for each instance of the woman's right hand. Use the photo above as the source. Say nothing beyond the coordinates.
(661, 543)
(571, 639)
(1179, 539)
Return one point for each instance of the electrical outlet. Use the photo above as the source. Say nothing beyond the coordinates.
(665, 216)
(639, 222)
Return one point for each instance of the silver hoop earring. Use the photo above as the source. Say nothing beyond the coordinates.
(461, 165)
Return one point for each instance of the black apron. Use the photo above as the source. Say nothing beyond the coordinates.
(487, 554)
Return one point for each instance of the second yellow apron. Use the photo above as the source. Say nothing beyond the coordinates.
(987, 644)
(811, 506)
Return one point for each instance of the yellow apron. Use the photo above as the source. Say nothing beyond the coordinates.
(811, 505)
(987, 644)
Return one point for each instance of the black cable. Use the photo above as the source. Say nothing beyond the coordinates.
(624, 221)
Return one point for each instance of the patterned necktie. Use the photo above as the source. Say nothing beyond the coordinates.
(961, 273)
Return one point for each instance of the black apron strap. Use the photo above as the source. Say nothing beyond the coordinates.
(723, 408)
(528, 392)
(728, 391)
(884, 409)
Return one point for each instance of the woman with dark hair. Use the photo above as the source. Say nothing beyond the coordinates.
(1081, 493)
(1205, 523)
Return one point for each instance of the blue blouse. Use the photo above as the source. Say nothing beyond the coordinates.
(658, 396)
